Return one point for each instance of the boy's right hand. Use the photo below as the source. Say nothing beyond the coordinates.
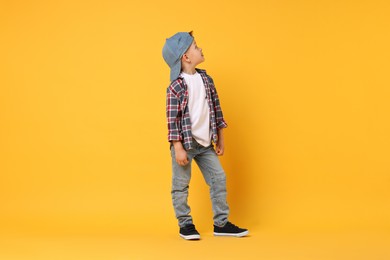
(181, 157)
(180, 154)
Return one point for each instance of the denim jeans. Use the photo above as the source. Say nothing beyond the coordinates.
(214, 175)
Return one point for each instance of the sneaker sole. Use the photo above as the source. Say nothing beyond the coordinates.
(231, 234)
(190, 237)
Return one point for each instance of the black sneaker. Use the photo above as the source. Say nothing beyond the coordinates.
(230, 230)
(189, 232)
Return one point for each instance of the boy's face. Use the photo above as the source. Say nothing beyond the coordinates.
(194, 54)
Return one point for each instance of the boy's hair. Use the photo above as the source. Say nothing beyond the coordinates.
(173, 51)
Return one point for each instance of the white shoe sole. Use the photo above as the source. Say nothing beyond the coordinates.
(190, 237)
(231, 234)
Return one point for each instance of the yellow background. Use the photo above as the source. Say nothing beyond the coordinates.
(304, 87)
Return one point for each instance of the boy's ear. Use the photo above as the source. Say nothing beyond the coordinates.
(185, 58)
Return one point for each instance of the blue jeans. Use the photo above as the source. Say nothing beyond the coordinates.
(214, 175)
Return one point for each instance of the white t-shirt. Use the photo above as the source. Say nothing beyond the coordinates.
(198, 108)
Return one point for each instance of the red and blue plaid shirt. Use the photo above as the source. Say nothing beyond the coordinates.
(178, 117)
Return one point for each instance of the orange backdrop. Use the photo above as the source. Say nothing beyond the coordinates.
(304, 87)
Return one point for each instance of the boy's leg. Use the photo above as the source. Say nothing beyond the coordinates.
(181, 176)
(215, 177)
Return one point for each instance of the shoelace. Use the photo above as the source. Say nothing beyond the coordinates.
(231, 225)
(190, 227)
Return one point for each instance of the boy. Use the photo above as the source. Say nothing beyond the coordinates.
(195, 120)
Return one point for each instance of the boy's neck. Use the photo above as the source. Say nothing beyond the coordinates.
(189, 70)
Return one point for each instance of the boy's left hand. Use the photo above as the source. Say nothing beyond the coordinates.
(220, 147)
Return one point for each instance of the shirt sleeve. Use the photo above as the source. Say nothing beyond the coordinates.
(173, 111)
(221, 123)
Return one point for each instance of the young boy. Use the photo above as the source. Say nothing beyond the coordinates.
(195, 120)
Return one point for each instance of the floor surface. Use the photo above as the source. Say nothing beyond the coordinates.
(259, 244)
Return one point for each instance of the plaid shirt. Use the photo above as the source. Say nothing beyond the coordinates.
(178, 117)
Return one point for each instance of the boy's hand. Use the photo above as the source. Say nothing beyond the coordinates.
(181, 157)
(180, 154)
(220, 147)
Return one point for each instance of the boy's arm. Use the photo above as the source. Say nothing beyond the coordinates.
(173, 120)
(221, 123)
